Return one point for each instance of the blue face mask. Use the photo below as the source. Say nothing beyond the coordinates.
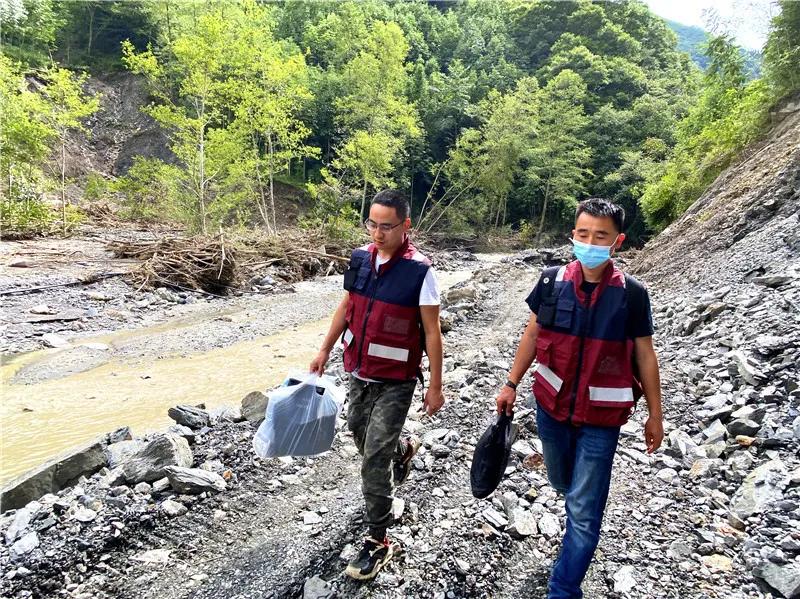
(591, 256)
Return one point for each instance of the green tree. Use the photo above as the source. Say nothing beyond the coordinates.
(269, 90)
(199, 65)
(559, 155)
(377, 118)
(67, 106)
(782, 51)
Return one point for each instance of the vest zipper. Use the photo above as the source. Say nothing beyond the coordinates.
(584, 332)
(366, 320)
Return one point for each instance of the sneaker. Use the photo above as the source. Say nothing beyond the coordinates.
(402, 467)
(373, 555)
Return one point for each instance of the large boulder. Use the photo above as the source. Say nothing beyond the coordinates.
(763, 485)
(120, 452)
(190, 416)
(52, 476)
(783, 578)
(148, 464)
(192, 481)
(254, 406)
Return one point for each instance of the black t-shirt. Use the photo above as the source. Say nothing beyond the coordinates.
(640, 316)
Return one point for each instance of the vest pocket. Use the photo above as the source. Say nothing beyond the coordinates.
(565, 308)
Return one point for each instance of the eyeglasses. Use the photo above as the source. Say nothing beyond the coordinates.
(371, 226)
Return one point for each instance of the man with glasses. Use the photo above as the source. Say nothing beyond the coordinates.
(387, 318)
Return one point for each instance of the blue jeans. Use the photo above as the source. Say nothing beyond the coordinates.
(578, 461)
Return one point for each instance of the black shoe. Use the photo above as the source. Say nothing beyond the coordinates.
(402, 468)
(373, 555)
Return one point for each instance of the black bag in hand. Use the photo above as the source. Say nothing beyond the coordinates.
(491, 456)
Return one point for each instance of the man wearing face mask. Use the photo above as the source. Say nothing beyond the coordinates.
(590, 332)
(387, 318)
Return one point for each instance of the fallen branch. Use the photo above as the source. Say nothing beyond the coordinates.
(88, 280)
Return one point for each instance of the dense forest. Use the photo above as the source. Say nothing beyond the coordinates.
(492, 115)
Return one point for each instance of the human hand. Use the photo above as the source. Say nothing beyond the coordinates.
(653, 433)
(434, 400)
(505, 400)
(318, 363)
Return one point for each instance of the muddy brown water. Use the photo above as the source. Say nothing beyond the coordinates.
(39, 421)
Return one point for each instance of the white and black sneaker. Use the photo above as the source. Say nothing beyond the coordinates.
(372, 557)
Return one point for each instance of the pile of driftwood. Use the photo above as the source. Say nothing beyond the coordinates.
(216, 265)
(197, 263)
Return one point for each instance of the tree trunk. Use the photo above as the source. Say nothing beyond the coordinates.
(544, 208)
(92, 10)
(363, 199)
(63, 182)
(202, 177)
(271, 182)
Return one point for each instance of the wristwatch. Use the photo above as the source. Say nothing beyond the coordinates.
(512, 384)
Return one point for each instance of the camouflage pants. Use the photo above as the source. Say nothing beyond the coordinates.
(375, 415)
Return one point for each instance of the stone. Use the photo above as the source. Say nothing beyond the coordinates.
(773, 281)
(459, 294)
(462, 566)
(190, 416)
(161, 485)
(717, 562)
(681, 442)
(226, 414)
(521, 523)
(316, 588)
(153, 556)
(398, 508)
(679, 550)
(83, 514)
(120, 452)
(495, 518)
(192, 481)
(143, 488)
(24, 545)
(668, 475)
(549, 525)
(522, 449)
(715, 432)
(743, 426)
(762, 486)
(747, 368)
(435, 435)
(783, 578)
(624, 579)
(704, 468)
(311, 518)
(52, 476)
(149, 463)
(18, 525)
(440, 451)
(53, 340)
(121, 434)
(172, 508)
(254, 406)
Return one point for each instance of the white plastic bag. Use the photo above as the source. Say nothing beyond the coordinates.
(300, 419)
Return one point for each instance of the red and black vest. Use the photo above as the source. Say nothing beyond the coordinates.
(384, 337)
(584, 371)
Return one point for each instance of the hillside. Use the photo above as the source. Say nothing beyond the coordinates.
(691, 40)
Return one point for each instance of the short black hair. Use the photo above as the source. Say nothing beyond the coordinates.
(600, 207)
(393, 199)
